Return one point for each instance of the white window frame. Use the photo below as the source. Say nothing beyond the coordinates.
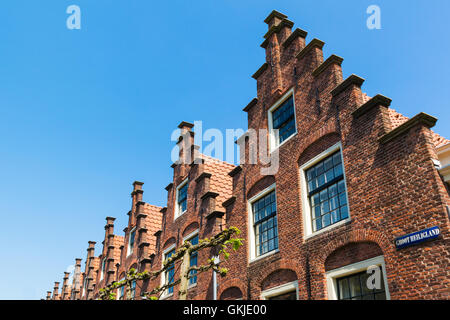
(163, 275)
(306, 207)
(129, 248)
(273, 138)
(118, 290)
(85, 281)
(187, 238)
(134, 291)
(333, 275)
(251, 230)
(102, 273)
(177, 208)
(284, 288)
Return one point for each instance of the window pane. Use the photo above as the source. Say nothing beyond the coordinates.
(326, 220)
(285, 296)
(334, 217)
(329, 175)
(344, 212)
(344, 290)
(355, 287)
(182, 198)
(380, 296)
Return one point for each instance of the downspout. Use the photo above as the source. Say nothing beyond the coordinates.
(216, 261)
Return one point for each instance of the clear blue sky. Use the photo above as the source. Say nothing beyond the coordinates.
(84, 113)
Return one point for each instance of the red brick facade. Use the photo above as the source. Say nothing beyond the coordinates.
(393, 187)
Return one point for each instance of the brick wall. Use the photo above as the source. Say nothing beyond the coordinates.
(393, 188)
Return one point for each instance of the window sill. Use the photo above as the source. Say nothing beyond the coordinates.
(167, 296)
(278, 146)
(192, 286)
(253, 260)
(324, 230)
(179, 215)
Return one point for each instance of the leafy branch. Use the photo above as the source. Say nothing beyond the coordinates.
(223, 240)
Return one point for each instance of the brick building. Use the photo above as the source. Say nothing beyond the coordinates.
(194, 211)
(354, 176)
(140, 240)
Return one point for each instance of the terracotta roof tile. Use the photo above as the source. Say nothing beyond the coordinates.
(398, 119)
(220, 182)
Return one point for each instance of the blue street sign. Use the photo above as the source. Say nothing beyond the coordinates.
(417, 237)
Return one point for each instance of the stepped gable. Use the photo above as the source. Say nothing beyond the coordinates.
(398, 119)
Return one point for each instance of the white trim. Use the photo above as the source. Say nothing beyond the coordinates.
(332, 275)
(443, 149)
(306, 208)
(445, 172)
(251, 231)
(163, 275)
(102, 273)
(129, 248)
(85, 282)
(188, 237)
(273, 141)
(118, 290)
(177, 209)
(191, 235)
(285, 288)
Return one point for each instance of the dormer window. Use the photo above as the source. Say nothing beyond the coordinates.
(281, 119)
(181, 199)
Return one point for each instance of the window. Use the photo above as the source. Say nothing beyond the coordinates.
(324, 191)
(354, 287)
(121, 291)
(281, 118)
(133, 289)
(181, 205)
(264, 221)
(84, 286)
(327, 192)
(288, 291)
(102, 273)
(292, 295)
(350, 282)
(170, 272)
(131, 238)
(193, 261)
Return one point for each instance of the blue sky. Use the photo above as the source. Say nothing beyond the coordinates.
(84, 113)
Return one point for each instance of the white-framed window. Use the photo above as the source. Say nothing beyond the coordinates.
(121, 291)
(350, 282)
(169, 275)
(193, 239)
(131, 241)
(324, 192)
(181, 198)
(133, 290)
(288, 291)
(85, 282)
(102, 270)
(282, 121)
(263, 224)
